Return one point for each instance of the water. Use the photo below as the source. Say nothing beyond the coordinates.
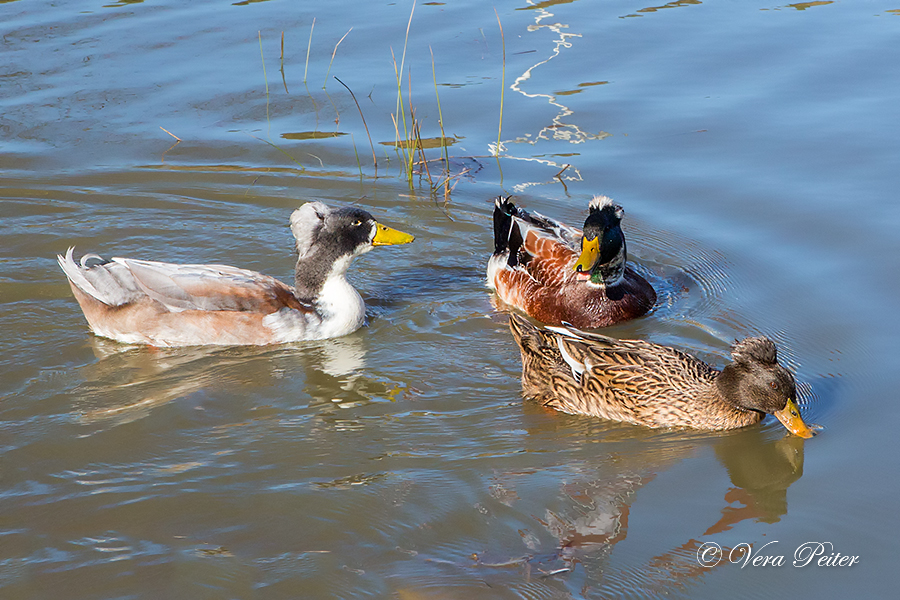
(752, 145)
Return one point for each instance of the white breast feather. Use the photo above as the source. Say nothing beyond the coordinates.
(339, 310)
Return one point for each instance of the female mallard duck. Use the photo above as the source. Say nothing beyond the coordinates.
(164, 304)
(656, 386)
(556, 274)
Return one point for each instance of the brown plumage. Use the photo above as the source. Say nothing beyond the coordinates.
(556, 273)
(649, 384)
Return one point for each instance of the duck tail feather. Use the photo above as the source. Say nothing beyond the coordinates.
(524, 331)
(570, 331)
(504, 211)
(515, 243)
(106, 281)
(75, 274)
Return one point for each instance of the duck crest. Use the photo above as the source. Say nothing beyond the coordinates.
(306, 224)
(755, 349)
(599, 202)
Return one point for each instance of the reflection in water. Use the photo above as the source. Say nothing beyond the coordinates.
(558, 129)
(674, 4)
(761, 470)
(127, 382)
(593, 513)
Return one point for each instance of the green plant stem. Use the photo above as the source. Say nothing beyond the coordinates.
(266, 79)
(502, 81)
(444, 152)
(403, 61)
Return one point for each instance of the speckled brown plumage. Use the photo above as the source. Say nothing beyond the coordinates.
(649, 384)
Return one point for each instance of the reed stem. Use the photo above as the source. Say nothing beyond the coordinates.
(352, 95)
(308, 46)
(502, 81)
(333, 53)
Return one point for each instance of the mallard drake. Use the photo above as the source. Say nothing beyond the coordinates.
(557, 274)
(652, 385)
(164, 304)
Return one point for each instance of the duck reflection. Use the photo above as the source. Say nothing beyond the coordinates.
(127, 382)
(761, 471)
(592, 514)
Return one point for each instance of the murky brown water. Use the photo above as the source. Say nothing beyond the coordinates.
(754, 147)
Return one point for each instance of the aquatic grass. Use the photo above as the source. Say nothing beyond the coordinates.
(268, 120)
(361, 116)
(266, 80)
(403, 62)
(337, 113)
(172, 134)
(413, 124)
(177, 141)
(398, 114)
(410, 143)
(280, 149)
(283, 79)
(502, 81)
(356, 153)
(405, 142)
(308, 47)
(333, 53)
(444, 151)
(418, 136)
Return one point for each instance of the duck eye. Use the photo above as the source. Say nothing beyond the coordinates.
(357, 223)
(773, 385)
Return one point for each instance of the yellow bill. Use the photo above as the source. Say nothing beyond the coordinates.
(790, 418)
(590, 252)
(385, 236)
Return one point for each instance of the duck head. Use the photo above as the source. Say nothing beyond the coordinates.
(603, 253)
(755, 381)
(329, 238)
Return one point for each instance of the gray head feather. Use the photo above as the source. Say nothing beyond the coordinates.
(306, 223)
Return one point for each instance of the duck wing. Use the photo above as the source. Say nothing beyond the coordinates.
(210, 287)
(545, 255)
(507, 214)
(570, 236)
(630, 380)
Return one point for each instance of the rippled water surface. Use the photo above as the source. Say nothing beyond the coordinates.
(754, 147)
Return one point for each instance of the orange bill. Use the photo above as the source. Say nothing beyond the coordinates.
(791, 419)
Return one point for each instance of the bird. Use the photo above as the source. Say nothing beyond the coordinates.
(555, 273)
(165, 304)
(653, 385)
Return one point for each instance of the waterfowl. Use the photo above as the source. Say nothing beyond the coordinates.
(556, 273)
(649, 384)
(164, 304)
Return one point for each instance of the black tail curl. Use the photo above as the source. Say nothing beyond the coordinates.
(504, 211)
